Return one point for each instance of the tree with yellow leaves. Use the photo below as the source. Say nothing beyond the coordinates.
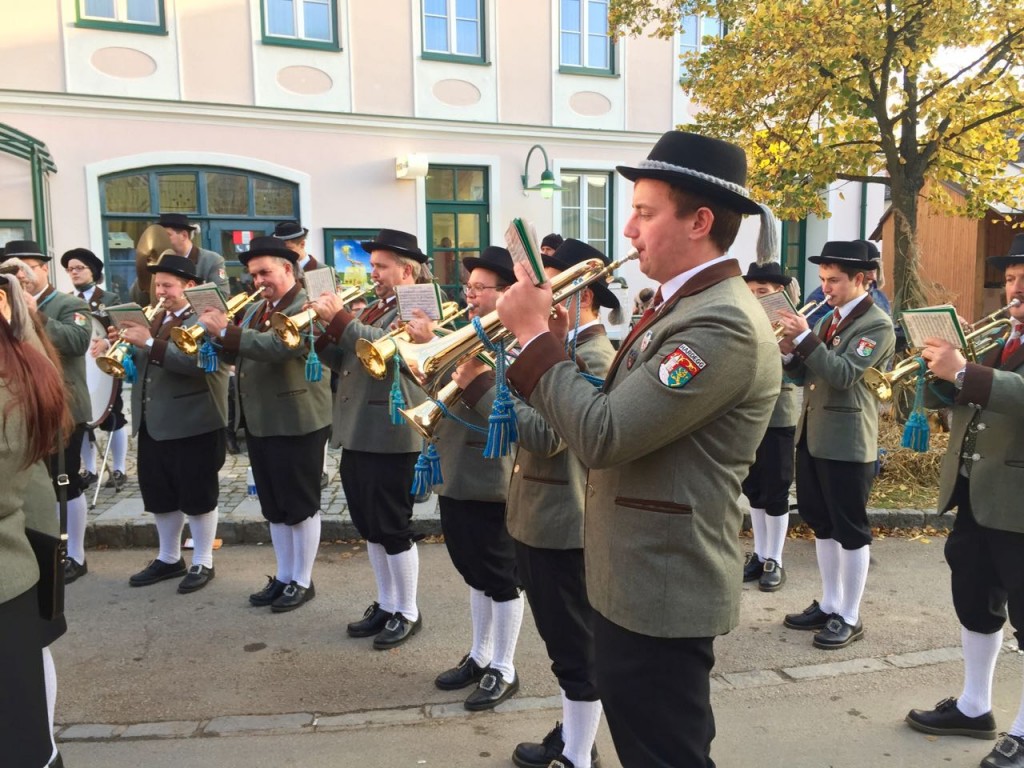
(819, 90)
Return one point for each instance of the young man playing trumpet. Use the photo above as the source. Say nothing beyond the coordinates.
(834, 477)
(180, 449)
(981, 477)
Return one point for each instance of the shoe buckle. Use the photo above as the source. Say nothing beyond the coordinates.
(290, 590)
(834, 625)
(392, 625)
(769, 566)
(1007, 746)
(489, 682)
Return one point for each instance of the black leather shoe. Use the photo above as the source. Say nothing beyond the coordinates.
(74, 569)
(396, 631)
(273, 590)
(1007, 753)
(466, 672)
(838, 634)
(533, 755)
(753, 568)
(88, 478)
(561, 762)
(491, 691)
(198, 576)
(773, 577)
(323, 480)
(373, 621)
(116, 480)
(947, 720)
(157, 571)
(292, 597)
(811, 618)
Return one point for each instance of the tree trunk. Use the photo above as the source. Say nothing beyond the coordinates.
(908, 292)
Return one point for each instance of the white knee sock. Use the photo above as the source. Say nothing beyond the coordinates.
(405, 572)
(853, 576)
(382, 575)
(508, 618)
(326, 464)
(50, 678)
(580, 721)
(828, 566)
(483, 625)
(204, 530)
(119, 448)
(281, 538)
(305, 545)
(776, 528)
(980, 654)
(78, 517)
(757, 517)
(88, 455)
(169, 526)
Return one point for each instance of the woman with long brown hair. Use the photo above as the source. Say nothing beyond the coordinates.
(32, 412)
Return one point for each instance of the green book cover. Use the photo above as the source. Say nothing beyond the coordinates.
(521, 239)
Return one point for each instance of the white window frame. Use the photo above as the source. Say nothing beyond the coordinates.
(121, 14)
(452, 20)
(584, 33)
(299, 18)
(682, 47)
(584, 205)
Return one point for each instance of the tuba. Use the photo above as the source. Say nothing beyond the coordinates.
(188, 339)
(292, 329)
(986, 334)
(112, 362)
(153, 241)
(375, 355)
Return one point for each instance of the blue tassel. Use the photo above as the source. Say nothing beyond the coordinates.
(421, 476)
(314, 370)
(208, 356)
(917, 431)
(434, 460)
(396, 400)
(131, 373)
(501, 424)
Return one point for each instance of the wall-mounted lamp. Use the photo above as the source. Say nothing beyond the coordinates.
(413, 166)
(547, 184)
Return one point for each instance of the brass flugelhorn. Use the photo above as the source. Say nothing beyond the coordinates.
(425, 417)
(375, 355)
(292, 329)
(112, 362)
(806, 309)
(980, 341)
(189, 339)
(425, 361)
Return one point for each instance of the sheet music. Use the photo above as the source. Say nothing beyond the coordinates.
(320, 281)
(204, 296)
(521, 240)
(774, 303)
(122, 314)
(940, 322)
(424, 296)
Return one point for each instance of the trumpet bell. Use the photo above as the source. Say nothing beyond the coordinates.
(292, 329)
(187, 339)
(112, 363)
(375, 355)
(879, 385)
(425, 417)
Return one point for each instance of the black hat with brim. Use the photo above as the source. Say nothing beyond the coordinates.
(87, 257)
(24, 249)
(770, 272)
(398, 242)
(173, 264)
(289, 230)
(268, 245)
(853, 253)
(175, 221)
(493, 259)
(705, 166)
(570, 253)
(552, 241)
(1015, 255)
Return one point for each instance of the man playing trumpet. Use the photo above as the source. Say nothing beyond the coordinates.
(180, 449)
(981, 477)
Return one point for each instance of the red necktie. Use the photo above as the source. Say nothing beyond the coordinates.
(833, 326)
(1011, 346)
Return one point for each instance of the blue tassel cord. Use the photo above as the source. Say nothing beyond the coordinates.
(208, 356)
(427, 473)
(396, 400)
(916, 433)
(131, 372)
(314, 370)
(502, 430)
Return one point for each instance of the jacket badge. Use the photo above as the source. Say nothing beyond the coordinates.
(646, 341)
(81, 320)
(836, 341)
(865, 347)
(631, 358)
(681, 365)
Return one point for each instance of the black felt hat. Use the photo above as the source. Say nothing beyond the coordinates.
(87, 257)
(572, 252)
(175, 221)
(267, 245)
(493, 259)
(173, 264)
(552, 241)
(709, 167)
(1015, 255)
(852, 253)
(24, 249)
(770, 272)
(289, 230)
(398, 242)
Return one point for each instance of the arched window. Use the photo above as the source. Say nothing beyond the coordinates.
(229, 206)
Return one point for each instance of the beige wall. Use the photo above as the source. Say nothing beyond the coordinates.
(216, 40)
(31, 57)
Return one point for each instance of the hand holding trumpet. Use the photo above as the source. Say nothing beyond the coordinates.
(524, 308)
(943, 359)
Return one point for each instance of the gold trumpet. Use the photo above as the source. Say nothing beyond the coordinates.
(425, 361)
(188, 339)
(292, 329)
(806, 309)
(112, 362)
(980, 341)
(375, 355)
(425, 417)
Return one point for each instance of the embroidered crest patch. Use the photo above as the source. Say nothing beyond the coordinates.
(631, 359)
(646, 341)
(81, 320)
(681, 365)
(865, 347)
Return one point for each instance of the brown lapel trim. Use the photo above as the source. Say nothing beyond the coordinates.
(863, 306)
(589, 333)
